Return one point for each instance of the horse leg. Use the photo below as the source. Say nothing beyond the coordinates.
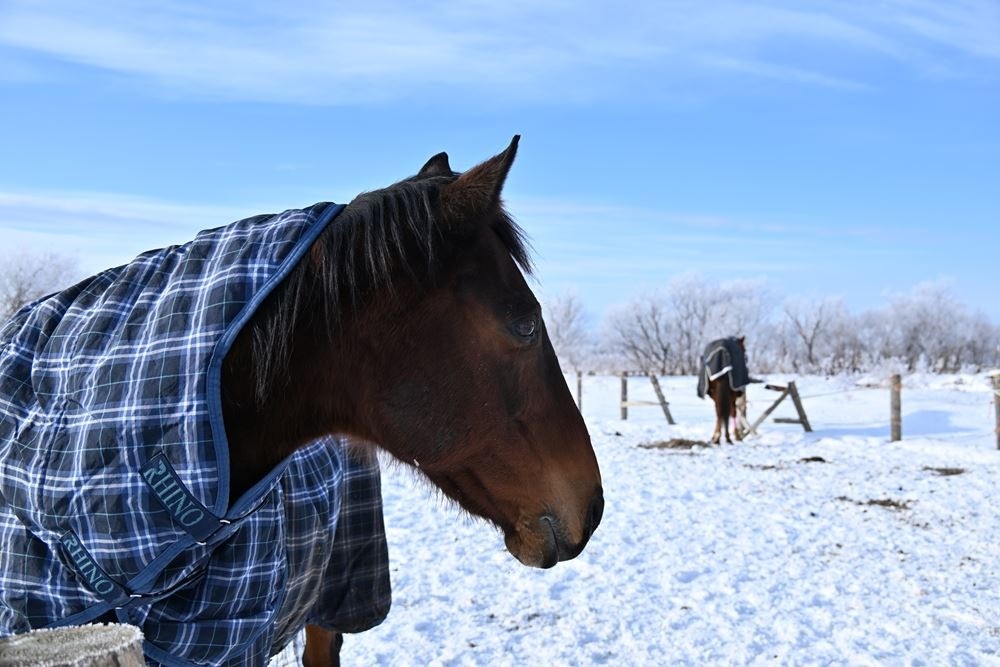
(736, 416)
(322, 647)
(713, 392)
(724, 401)
(738, 409)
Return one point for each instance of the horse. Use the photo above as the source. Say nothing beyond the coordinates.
(402, 320)
(724, 378)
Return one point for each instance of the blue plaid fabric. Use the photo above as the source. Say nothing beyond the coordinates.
(114, 465)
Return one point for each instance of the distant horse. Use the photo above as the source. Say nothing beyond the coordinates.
(724, 378)
(402, 319)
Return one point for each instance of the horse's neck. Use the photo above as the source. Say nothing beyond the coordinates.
(307, 401)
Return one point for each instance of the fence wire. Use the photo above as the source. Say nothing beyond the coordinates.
(993, 398)
(840, 391)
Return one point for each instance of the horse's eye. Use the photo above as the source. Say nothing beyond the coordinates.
(526, 328)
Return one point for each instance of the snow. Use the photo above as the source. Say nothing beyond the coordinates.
(738, 554)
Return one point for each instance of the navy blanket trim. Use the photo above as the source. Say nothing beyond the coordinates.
(214, 376)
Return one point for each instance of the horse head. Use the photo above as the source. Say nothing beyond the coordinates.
(455, 372)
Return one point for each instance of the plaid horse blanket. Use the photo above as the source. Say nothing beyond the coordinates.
(114, 468)
(723, 356)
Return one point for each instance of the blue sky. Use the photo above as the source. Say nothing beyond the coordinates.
(842, 148)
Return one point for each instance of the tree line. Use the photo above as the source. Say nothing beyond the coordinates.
(665, 332)
(26, 276)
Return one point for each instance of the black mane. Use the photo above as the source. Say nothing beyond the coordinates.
(381, 237)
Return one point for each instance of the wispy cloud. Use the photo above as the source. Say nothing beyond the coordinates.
(102, 229)
(595, 216)
(336, 53)
(971, 26)
(606, 251)
(783, 73)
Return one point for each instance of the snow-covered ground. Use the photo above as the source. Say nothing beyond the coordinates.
(739, 554)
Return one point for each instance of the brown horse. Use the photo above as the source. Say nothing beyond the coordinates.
(410, 325)
(728, 404)
(159, 402)
(727, 392)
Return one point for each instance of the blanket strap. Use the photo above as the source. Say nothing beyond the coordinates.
(87, 568)
(185, 509)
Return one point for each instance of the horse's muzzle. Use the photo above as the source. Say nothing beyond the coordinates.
(557, 545)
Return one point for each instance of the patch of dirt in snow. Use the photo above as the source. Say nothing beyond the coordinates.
(674, 443)
(888, 503)
(945, 472)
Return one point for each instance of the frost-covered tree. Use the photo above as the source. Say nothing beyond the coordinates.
(643, 334)
(666, 332)
(820, 327)
(925, 326)
(843, 352)
(566, 323)
(980, 344)
(742, 307)
(27, 276)
(690, 305)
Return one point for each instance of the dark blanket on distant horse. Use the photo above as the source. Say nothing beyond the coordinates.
(114, 464)
(721, 357)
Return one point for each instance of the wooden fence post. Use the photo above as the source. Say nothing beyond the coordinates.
(996, 403)
(895, 408)
(793, 391)
(85, 646)
(579, 390)
(767, 413)
(655, 381)
(624, 396)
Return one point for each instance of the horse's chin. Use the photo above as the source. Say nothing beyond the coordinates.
(536, 546)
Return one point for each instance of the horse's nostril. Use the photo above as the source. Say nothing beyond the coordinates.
(596, 510)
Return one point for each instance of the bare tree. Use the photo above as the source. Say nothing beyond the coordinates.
(807, 320)
(667, 332)
(741, 307)
(925, 326)
(812, 323)
(843, 348)
(702, 310)
(692, 300)
(980, 344)
(566, 323)
(643, 333)
(27, 276)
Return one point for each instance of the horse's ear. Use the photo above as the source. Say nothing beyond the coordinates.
(477, 191)
(436, 166)
(742, 341)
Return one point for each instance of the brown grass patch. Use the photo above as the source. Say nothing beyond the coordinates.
(674, 443)
(945, 472)
(888, 503)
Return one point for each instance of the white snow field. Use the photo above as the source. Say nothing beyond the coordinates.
(738, 554)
